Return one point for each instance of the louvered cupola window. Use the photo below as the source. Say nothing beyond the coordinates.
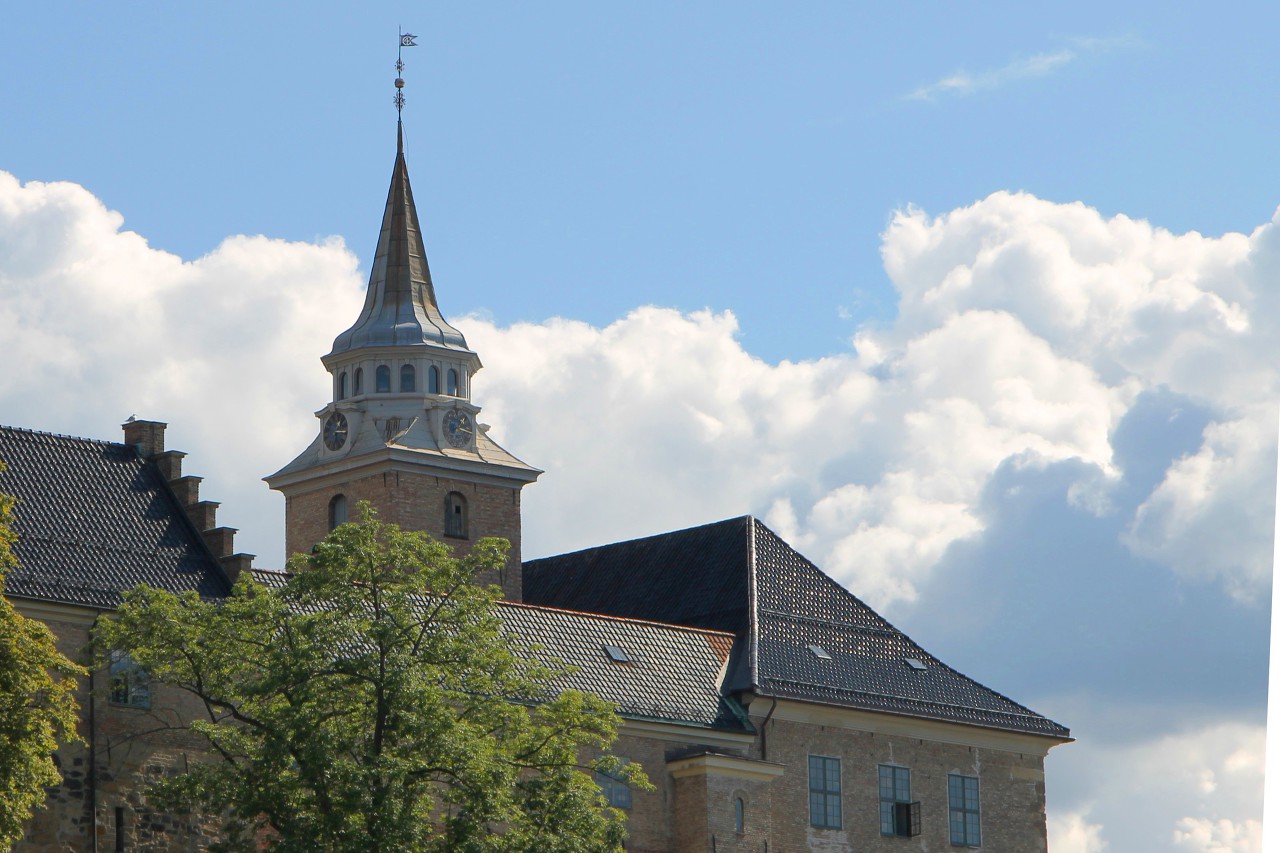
(408, 379)
(382, 379)
(342, 385)
(453, 383)
(359, 382)
(433, 380)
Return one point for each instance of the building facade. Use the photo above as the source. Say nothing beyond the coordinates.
(772, 709)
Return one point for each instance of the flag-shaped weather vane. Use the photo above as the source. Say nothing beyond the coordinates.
(406, 40)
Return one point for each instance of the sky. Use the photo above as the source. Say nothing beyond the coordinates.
(977, 307)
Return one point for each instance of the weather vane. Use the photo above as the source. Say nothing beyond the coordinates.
(406, 40)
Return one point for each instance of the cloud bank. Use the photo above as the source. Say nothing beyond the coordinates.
(1133, 367)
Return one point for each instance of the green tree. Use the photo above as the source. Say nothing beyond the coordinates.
(371, 703)
(37, 702)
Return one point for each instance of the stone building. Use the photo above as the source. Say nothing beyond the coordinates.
(773, 710)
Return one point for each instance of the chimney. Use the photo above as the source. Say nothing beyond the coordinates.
(146, 436)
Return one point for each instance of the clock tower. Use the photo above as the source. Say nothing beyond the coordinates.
(401, 430)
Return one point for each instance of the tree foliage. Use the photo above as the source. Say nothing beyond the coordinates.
(37, 702)
(366, 704)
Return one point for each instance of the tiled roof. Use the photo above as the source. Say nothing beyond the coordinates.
(94, 520)
(672, 673)
(705, 577)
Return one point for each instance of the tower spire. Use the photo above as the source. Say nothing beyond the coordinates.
(400, 305)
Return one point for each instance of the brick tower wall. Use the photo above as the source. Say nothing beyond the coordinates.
(416, 501)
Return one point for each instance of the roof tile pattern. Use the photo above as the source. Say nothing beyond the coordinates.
(93, 520)
(672, 674)
(704, 577)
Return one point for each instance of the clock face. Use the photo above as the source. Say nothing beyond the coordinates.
(458, 429)
(335, 431)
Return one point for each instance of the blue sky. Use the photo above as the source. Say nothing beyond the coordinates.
(976, 306)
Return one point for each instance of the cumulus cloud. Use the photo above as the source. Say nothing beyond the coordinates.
(1197, 789)
(96, 326)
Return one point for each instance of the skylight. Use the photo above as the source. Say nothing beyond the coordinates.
(914, 664)
(616, 654)
(819, 652)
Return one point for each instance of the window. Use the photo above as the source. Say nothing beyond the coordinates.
(824, 792)
(359, 383)
(962, 793)
(739, 815)
(617, 792)
(455, 515)
(453, 383)
(337, 511)
(898, 815)
(408, 380)
(433, 380)
(342, 385)
(382, 379)
(130, 685)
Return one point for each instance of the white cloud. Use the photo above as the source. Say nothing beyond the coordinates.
(963, 82)
(1203, 835)
(1071, 832)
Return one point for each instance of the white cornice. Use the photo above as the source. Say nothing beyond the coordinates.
(676, 733)
(725, 765)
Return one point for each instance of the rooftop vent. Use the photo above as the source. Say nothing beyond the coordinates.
(914, 664)
(819, 652)
(616, 654)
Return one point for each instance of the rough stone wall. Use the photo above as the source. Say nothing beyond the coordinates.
(416, 501)
(706, 820)
(130, 753)
(1012, 790)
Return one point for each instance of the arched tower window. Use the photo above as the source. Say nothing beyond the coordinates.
(382, 379)
(455, 515)
(342, 385)
(337, 511)
(359, 382)
(433, 380)
(408, 381)
(453, 383)
(739, 815)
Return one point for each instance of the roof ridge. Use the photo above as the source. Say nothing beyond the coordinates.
(662, 535)
(47, 434)
(606, 617)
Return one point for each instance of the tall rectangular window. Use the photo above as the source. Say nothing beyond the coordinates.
(895, 792)
(616, 790)
(824, 792)
(962, 793)
(130, 685)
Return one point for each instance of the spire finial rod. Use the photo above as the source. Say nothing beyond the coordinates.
(406, 40)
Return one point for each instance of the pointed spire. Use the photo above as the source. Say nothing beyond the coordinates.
(400, 305)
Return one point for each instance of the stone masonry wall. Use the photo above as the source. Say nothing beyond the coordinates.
(416, 501)
(1011, 783)
(130, 753)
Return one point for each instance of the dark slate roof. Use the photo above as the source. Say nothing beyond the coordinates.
(94, 520)
(739, 576)
(673, 673)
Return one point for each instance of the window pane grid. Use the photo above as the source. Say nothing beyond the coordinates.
(824, 792)
(895, 787)
(965, 819)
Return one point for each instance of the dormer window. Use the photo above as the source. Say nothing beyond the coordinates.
(382, 379)
(453, 383)
(408, 379)
(433, 380)
(359, 382)
(342, 385)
